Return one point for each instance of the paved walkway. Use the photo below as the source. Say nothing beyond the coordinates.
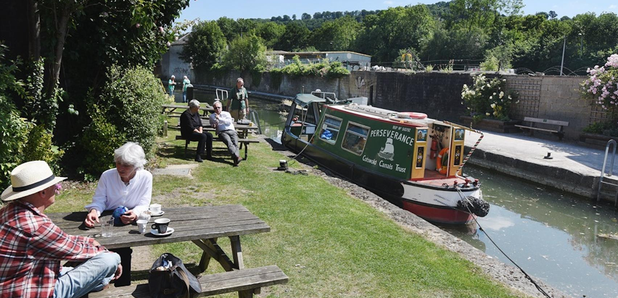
(573, 167)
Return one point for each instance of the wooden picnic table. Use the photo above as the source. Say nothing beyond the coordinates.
(242, 129)
(170, 109)
(200, 225)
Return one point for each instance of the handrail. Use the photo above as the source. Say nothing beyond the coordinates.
(611, 169)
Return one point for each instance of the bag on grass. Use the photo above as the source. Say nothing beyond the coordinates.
(168, 278)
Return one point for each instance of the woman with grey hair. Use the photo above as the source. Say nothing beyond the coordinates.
(127, 185)
(125, 189)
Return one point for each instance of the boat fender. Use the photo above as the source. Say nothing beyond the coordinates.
(440, 167)
(477, 206)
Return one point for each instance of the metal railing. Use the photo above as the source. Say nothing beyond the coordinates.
(610, 144)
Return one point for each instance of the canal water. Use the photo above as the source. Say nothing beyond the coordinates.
(551, 235)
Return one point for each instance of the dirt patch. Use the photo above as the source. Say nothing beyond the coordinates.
(498, 271)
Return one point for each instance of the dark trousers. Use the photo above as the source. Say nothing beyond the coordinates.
(203, 139)
(125, 261)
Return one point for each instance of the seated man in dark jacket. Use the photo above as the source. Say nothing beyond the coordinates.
(191, 129)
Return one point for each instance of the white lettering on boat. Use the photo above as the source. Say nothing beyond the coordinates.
(404, 138)
(385, 165)
(369, 160)
(400, 169)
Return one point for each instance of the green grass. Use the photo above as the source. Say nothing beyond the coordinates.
(328, 243)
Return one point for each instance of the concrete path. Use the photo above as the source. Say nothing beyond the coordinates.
(573, 167)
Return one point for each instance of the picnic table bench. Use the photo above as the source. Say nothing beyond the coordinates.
(243, 142)
(558, 130)
(201, 225)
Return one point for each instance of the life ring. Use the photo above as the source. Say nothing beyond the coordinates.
(411, 115)
(443, 168)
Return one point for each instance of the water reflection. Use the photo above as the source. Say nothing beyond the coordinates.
(551, 235)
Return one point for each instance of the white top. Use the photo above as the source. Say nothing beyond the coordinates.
(225, 121)
(111, 192)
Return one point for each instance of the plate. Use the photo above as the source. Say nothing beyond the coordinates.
(157, 213)
(156, 232)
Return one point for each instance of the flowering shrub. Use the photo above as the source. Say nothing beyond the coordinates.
(488, 99)
(602, 86)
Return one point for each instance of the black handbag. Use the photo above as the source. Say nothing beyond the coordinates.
(168, 278)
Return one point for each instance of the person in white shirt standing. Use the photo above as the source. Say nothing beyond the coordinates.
(224, 123)
(127, 185)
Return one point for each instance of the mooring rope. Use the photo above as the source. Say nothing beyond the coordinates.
(538, 287)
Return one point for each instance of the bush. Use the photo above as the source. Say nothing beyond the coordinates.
(13, 129)
(39, 147)
(602, 87)
(488, 99)
(323, 69)
(128, 109)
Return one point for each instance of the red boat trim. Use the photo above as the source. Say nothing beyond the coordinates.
(437, 214)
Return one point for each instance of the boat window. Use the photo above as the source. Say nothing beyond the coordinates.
(355, 138)
(330, 129)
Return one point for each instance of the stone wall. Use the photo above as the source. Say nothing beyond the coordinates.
(437, 94)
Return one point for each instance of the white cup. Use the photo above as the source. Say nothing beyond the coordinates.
(141, 225)
(155, 208)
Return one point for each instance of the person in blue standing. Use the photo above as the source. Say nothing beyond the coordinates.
(186, 83)
(171, 84)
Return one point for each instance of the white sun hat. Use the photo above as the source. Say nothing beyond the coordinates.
(28, 178)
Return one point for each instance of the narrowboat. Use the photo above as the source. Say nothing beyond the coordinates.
(413, 161)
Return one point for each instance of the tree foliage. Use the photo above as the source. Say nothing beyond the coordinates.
(246, 53)
(205, 45)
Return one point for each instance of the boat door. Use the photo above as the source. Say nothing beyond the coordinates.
(456, 150)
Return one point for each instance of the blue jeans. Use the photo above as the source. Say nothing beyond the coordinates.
(91, 275)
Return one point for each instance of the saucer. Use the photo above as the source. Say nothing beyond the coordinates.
(157, 213)
(156, 232)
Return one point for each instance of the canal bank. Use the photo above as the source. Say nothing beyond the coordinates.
(495, 269)
(571, 167)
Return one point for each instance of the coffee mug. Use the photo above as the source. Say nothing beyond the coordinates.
(155, 208)
(161, 225)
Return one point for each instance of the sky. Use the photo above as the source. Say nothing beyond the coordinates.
(207, 10)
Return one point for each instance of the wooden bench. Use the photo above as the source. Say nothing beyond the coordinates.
(532, 121)
(242, 142)
(246, 282)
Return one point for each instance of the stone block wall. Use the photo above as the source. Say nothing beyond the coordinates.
(437, 94)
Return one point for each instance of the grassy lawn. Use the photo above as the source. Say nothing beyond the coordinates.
(328, 243)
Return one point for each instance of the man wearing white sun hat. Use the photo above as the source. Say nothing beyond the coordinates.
(32, 246)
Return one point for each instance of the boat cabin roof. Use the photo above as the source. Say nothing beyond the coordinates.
(304, 99)
(383, 115)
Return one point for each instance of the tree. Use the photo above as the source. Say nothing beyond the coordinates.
(246, 53)
(270, 32)
(296, 36)
(384, 34)
(205, 46)
(337, 35)
(480, 13)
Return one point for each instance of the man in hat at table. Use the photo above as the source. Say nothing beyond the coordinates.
(32, 246)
